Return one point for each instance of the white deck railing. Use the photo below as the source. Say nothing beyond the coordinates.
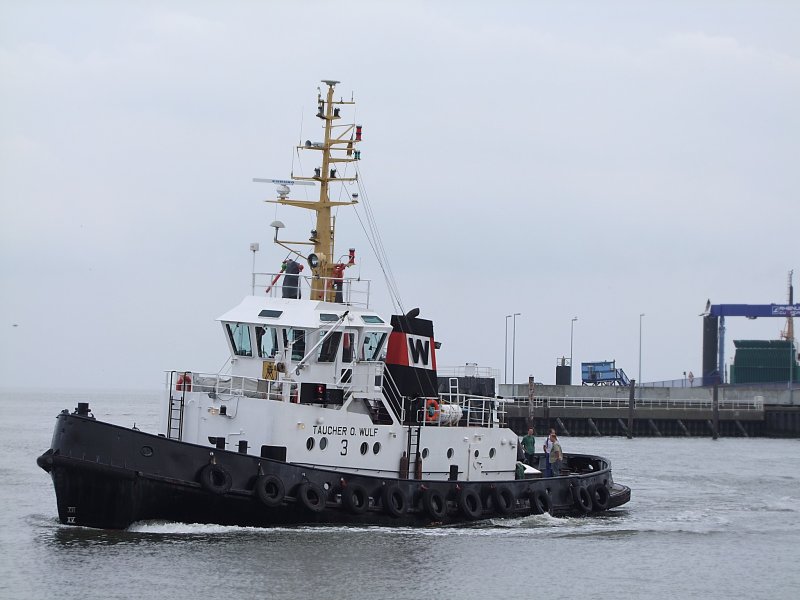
(353, 291)
(231, 385)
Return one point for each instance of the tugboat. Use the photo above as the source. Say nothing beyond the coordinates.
(329, 412)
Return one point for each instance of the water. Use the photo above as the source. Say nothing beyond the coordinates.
(707, 520)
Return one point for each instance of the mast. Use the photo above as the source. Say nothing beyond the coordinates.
(337, 147)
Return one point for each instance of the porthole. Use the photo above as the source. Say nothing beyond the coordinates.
(491, 452)
(323, 443)
(450, 453)
(147, 451)
(376, 447)
(310, 444)
(364, 447)
(424, 453)
(477, 453)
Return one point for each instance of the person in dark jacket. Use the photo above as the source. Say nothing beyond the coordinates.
(291, 278)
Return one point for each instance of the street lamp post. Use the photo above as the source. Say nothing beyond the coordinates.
(505, 354)
(571, 329)
(514, 347)
(640, 350)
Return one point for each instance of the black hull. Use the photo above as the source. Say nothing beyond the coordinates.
(108, 477)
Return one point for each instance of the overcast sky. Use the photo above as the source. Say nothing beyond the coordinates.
(556, 159)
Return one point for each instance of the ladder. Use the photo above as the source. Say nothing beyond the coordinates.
(414, 457)
(175, 427)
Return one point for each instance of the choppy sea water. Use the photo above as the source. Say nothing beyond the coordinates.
(708, 519)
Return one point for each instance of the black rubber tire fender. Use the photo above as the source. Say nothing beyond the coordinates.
(311, 496)
(582, 499)
(540, 502)
(355, 498)
(503, 499)
(270, 490)
(394, 501)
(600, 497)
(469, 503)
(434, 503)
(215, 479)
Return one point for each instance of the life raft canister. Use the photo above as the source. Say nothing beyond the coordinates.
(184, 383)
(431, 410)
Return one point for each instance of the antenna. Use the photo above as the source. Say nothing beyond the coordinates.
(282, 181)
(283, 185)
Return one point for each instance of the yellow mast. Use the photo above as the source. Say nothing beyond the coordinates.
(322, 262)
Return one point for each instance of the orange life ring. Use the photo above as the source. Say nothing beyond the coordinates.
(431, 410)
(184, 382)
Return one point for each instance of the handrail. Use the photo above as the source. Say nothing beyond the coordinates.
(236, 385)
(394, 398)
(478, 410)
(354, 290)
(619, 403)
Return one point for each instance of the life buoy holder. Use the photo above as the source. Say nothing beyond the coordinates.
(184, 383)
(431, 410)
(600, 498)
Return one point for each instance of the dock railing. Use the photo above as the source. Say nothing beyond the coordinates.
(619, 403)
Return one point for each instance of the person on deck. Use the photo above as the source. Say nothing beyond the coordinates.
(556, 455)
(291, 278)
(529, 447)
(547, 446)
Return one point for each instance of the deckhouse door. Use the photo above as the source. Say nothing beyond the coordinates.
(474, 462)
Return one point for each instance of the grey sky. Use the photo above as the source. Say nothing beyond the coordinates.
(598, 159)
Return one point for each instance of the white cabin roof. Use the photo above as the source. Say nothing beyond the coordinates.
(300, 313)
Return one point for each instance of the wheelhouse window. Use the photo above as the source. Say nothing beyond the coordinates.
(297, 339)
(329, 348)
(266, 341)
(239, 334)
(348, 346)
(372, 347)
